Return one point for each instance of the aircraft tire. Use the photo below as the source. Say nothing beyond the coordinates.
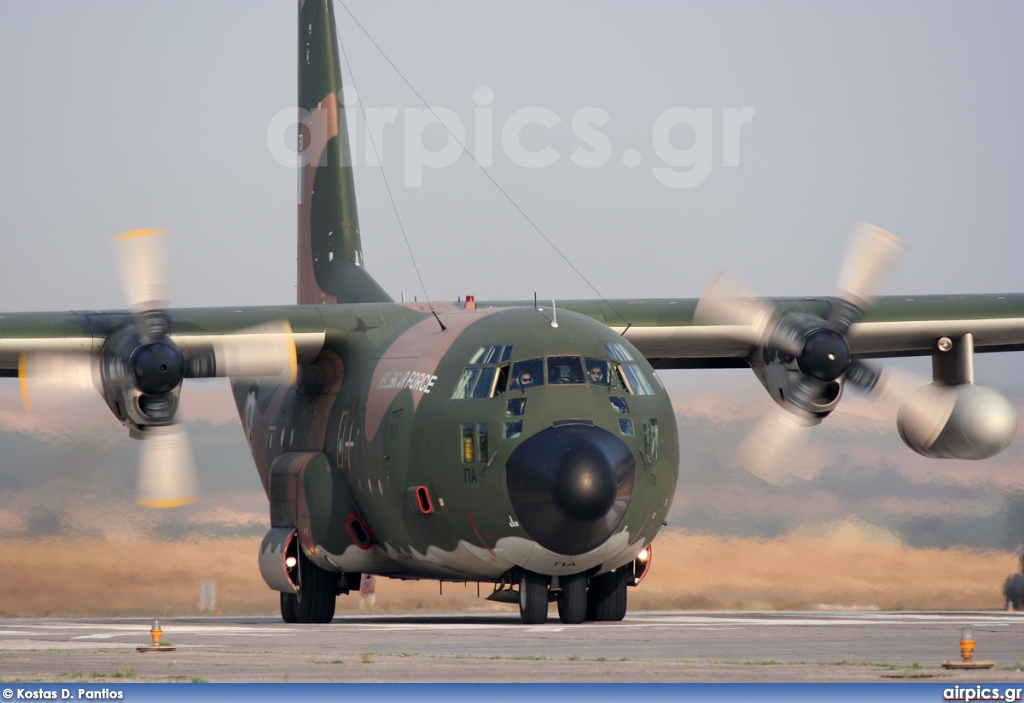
(533, 598)
(572, 601)
(315, 601)
(288, 608)
(606, 599)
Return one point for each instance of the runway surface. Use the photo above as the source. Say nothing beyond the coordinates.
(651, 646)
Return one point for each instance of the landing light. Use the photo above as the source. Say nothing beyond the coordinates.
(644, 555)
(290, 562)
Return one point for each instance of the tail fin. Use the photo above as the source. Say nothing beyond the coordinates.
(330, 256)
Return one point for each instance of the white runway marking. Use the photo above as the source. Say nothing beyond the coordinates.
(131, 632)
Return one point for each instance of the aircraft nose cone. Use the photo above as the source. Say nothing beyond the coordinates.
(570, 486)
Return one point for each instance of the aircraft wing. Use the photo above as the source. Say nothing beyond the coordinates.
(668, 335)
(804, 350)
(85, 332)
(664, 330)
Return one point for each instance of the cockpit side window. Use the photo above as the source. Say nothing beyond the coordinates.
(485, 383)
(615, 378)
(526, 374)
(464, 388)
(482, 378)
(565, 369)
(501, 384)
(636, 382)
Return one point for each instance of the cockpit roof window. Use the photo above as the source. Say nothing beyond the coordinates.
(618, 351)
(491, 355)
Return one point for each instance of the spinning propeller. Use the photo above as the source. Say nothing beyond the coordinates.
(139, 369)
(819, 348)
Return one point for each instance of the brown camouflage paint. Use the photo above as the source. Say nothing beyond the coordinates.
(317, 128)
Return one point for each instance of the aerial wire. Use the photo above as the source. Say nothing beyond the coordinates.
(383, 173)
(478, 164)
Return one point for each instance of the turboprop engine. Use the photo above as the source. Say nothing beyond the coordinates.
(980, 423)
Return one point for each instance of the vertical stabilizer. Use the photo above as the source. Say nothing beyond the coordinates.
(330, 257)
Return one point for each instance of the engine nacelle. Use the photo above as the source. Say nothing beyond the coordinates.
(782, 377)
(981, 423)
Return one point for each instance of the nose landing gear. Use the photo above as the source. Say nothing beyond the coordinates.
(599, 599)
(533, 598)
(570, 593)
(572, 601)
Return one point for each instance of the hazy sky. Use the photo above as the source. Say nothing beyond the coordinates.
(120, 115)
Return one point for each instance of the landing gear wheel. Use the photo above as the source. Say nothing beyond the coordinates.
(288, 607)
(606, 599)
(572, 602)
(318, 592)
(533, 598)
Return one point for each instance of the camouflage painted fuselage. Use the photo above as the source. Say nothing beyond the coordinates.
(375, 432)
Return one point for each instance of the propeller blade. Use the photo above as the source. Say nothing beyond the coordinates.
(870, 256)
(142, 263)
(265, 350)
(767, 450)
(725, 302)
(54, 380)
(167, 472)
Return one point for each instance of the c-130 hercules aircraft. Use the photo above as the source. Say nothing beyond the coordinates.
(534, 448)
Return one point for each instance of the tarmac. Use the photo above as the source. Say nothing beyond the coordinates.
(688, 646)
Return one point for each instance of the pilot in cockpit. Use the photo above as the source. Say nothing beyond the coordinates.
(597, 372)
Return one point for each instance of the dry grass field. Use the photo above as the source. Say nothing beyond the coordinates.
(846, 568)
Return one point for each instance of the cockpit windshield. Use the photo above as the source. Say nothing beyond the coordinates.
(597, 372)
(565, 369)
(488, 374)
(526, 374)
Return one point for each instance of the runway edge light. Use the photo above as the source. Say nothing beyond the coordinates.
(156, 632)
(967, 643)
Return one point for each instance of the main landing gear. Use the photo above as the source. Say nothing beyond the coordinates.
(533, 598)
(318, 592)
(603, 599)
(606, 599)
